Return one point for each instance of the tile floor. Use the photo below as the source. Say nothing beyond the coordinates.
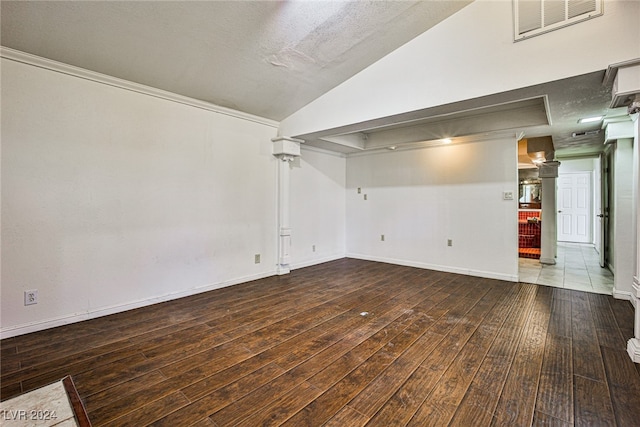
(577, 267)
(46, 406)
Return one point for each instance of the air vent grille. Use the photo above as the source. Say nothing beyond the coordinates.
(534, 17)
(576, 8)
(530, 16)
(554, 12)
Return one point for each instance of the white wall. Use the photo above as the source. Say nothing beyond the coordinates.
(318, 207)
(113, 199)
(472, 54)
(421, 198)
(576, 165)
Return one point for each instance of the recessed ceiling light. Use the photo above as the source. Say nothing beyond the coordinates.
(446, 141)
(393, 147)
(590, 119)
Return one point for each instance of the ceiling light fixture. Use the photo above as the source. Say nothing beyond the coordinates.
(446, 140)
(590, 119)
(393, 147)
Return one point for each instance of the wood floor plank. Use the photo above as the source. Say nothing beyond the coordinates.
(282, 408)
(225, 396)
(560, 322)
(326, 356)
(479, 403)
(543, 420)
(592, 403)
(345, 389)
(443, 401)
(555, 390)
(150, 412)
(347, 417)
(607, 330)
(111, 394)
(587, 360)
(307, 366)
(433, 348)
(516, 404)
(624, 383)
(312, 341)
(624, 313)
(10, 390)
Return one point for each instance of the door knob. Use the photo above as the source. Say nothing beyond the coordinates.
(559, 211)
(600, 216)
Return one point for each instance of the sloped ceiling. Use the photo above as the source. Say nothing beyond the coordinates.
(267, 58)
(270, 58)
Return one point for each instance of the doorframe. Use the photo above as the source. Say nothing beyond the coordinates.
(605, 200)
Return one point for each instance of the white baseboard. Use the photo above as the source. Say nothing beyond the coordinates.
(26, 328)
(623, 295)
(633, 348)
(309, 263)
(447, 269)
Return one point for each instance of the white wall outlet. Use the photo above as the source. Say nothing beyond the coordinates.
(382, 237)
(256, 258)
(449, 242)
(313, 248)
(359, 190)
(365, 197)
(507, 195)
(31, 297)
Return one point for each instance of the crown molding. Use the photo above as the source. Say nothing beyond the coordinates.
(59, 67)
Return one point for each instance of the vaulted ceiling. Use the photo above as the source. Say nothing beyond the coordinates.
(267, 58)
(270, 58)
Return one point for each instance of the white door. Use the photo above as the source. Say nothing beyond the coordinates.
(574, 207)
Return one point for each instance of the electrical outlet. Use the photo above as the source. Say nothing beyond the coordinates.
(256, 258)
(359, 190)
(313, 248)
(449, 242)
(507, 195)
(31, 297)
(365, 197)
(382, 237)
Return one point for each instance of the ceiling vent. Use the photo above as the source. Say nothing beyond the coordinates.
(585, 133)
(535, 17)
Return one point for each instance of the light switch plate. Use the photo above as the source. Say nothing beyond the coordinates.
(507, 195)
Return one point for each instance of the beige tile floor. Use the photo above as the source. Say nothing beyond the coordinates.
(44, 407)
(577, 267)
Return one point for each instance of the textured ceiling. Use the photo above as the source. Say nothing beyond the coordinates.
(270, 58)
(550, 109)
(267, 58)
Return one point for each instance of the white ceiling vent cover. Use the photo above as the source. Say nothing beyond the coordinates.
(534, 17)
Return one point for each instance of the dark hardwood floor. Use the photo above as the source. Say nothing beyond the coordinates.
(347, 343)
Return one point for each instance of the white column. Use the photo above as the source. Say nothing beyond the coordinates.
(633, 345)
(549, 238)
(286, 150)
(548, 172)
(626, 92)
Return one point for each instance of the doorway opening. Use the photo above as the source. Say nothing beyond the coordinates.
(582, 209)
(529, 214)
